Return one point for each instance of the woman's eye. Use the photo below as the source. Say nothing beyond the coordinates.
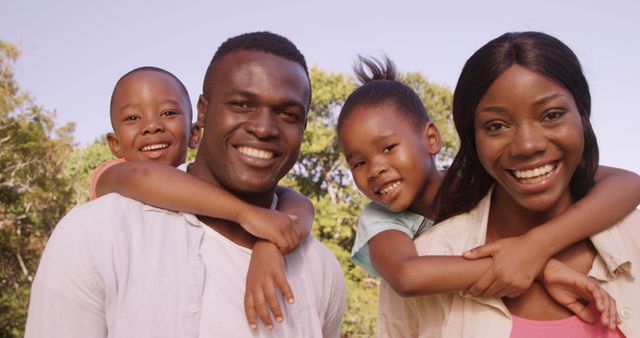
(494, 126)
(553, 115)
(389, 148)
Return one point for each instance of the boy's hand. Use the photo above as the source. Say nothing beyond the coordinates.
(516, 263)
(266, 273)
(273, 226)
(569, 288)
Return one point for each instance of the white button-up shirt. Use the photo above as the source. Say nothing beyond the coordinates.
(115, 267)
(453, 315)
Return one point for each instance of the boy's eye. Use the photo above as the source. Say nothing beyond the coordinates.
(389, 148)
(131, 118)
(169, 113)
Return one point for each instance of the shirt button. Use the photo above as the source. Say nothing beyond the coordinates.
(625, 313)
(193, 308)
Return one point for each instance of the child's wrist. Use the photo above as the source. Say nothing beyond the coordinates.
(541, 242)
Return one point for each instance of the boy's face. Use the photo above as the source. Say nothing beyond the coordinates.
(254, 119)
(151, 119)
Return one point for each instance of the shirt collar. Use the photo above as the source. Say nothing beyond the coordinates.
(612, 257)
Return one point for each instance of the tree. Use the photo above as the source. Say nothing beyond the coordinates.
(34, 193)
(322, 174)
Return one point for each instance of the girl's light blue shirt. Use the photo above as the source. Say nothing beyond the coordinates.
(375, 219)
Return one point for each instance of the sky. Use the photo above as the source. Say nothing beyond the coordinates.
(74, 51)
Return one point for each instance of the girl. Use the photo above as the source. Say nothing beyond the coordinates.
(528, 154)
(389, 144)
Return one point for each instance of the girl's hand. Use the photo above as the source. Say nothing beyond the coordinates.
(266, 273)
(570, 288)
(272, 225)
(517, 261)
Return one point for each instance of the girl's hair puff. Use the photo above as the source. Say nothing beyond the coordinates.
(466, 182)
(379, 86)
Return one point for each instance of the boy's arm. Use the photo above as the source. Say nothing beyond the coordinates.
(520, 259)
(294, 203)
(266, 273)
(166, 187)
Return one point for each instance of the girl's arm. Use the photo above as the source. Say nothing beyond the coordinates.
(395, 258)
(166, 187)
(519, 260)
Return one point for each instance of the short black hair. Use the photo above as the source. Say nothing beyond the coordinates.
(266, 42)
(152, 69)
(382, 87)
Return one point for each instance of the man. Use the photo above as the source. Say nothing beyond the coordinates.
(119, 268)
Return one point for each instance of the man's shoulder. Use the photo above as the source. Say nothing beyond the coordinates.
(312, 247)
(315, 257)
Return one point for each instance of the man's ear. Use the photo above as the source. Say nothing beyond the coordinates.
(114, 145)
(203, 104)
(432, 138)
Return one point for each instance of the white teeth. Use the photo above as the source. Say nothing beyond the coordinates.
(388, 188)
(536, 175)
(154, 147)
(253, 152)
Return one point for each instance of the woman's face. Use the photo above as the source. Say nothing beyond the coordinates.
(529, 139)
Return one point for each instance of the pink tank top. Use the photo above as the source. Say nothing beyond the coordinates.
(563, 328)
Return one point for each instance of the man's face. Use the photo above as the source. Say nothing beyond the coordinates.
(254, 120)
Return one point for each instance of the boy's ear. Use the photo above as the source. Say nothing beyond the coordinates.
(114, 145)
(432, 138)
(195, 135)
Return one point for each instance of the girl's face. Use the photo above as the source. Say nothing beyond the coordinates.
(529, 138)
(390, 160)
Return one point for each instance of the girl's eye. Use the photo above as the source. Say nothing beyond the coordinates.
(357, 165)
(389, 148)
(131, 118)
(553, 115)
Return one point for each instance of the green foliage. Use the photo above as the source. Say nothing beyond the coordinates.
(34, 193)
(81, 164)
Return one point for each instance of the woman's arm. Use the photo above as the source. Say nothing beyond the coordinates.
(166, 187)
(519, 260)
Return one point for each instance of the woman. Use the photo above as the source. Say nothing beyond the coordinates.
(528, 152)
